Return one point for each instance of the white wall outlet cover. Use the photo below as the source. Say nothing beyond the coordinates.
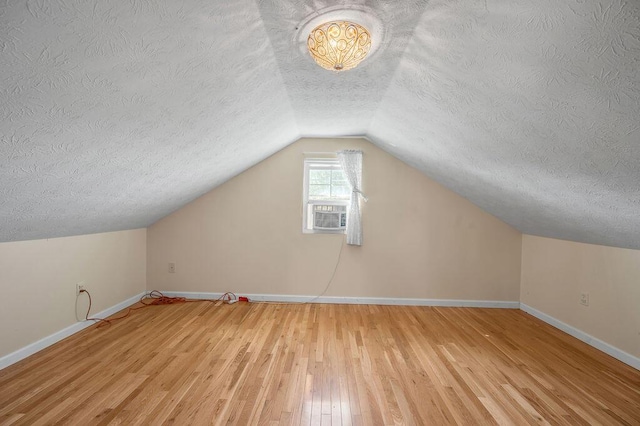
(584, 299)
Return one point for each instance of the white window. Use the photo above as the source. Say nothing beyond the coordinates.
(326, 196)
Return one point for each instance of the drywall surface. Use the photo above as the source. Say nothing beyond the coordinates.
(420, 240)
(37, 284)
(528, 109)
(556, 272)
(115, 114)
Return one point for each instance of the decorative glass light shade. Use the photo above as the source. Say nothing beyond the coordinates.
(340, 45)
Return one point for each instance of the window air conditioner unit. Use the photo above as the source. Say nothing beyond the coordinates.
(329, 217)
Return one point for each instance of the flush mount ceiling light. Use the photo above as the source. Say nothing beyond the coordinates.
(339, 45)
(316, 31)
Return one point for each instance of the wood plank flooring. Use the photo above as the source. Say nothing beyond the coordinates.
(245, 364)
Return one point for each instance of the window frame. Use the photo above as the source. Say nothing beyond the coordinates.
(309, 164)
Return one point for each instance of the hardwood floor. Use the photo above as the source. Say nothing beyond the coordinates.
(197, 363)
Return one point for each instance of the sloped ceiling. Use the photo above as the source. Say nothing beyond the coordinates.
(114, 114)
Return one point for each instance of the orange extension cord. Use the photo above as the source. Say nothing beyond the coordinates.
(152, 298)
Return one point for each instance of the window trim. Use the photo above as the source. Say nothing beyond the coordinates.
(308, 163)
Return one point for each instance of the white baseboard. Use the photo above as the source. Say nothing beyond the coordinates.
(41, 344)
(356, 300)
(28, 350)
(581, 335)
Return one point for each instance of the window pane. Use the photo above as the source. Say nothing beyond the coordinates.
(341, 191)
(338, 177)
(317, 192)
(319, 177)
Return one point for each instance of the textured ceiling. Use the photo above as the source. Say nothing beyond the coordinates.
(530, 109)
(114, 114)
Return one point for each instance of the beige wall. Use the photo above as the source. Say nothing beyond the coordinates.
(38, 278)
(556, 272)
(420, 240)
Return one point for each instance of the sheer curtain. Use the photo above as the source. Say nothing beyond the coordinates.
(351, 162)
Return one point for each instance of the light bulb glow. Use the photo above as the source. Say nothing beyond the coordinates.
(340, 45)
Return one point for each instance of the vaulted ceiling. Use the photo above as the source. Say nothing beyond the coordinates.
(115, 113)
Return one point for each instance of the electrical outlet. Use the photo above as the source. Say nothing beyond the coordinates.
(172, 268)
(584, 299)
(80, 288)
